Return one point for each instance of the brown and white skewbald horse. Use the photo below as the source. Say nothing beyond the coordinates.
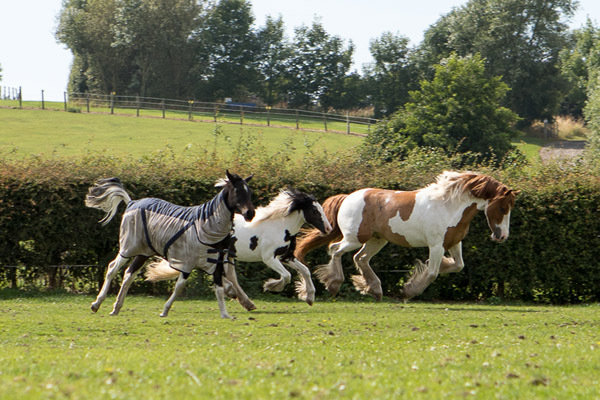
(436, 216)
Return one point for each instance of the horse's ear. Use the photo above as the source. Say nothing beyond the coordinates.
(515, 192)
(248, 178)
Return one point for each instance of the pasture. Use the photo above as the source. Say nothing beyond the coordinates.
(54, 347)
(64, 134)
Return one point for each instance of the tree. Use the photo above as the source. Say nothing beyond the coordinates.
(578, 59)
(458, 110)
(273, 54)
(520, 41)
(390, 74)
(226, 49)
(318, 67)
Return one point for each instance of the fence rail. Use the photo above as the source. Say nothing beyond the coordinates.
(240, 113)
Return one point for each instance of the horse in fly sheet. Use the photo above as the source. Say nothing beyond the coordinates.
(436, 216)
(271, 238)
(187, 237)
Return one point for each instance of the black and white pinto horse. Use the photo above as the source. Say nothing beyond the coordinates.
(271, 238)
(187, 237)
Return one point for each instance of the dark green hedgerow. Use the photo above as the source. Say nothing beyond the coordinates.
(551, 256)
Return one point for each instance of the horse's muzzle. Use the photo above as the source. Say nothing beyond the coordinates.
(248, 215)
(498, 236)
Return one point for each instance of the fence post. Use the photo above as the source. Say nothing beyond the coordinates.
(42, 99)
(87, 102)
(347, 123)
(297, 121)
(325, 121)
(190, 109)
(268, 115)
(112, 102)
(137, 105)
(20, 98)
(65, 97)
(241, 115)
(216, 111)
(163, 107)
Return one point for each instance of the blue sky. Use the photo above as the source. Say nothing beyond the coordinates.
(31, 58)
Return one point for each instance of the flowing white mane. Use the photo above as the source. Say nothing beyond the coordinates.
(449, 185)
(277, 208)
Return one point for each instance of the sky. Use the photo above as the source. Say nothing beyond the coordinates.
(31, 58)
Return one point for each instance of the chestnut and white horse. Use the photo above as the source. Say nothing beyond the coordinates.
(271, 238)
(188, 237)
(436, 216)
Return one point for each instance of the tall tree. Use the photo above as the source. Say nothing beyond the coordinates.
(318, 67)
(390, 74)
(520, 41)
(273, 53)
(458, 110)
(226, 52)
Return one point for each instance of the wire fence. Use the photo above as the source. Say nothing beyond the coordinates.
(239, 113)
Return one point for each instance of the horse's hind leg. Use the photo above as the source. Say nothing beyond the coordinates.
(242, 297)
(276, 285)
(368, 282)
(455, 263)
(114, 267)
(304, 287)
(178, 288)
(332, 275)
(130, 274)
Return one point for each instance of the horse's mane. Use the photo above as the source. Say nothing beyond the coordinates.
(451, 185)
(287, 201)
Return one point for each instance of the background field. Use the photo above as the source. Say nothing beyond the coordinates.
(38, 132)
(53, 347)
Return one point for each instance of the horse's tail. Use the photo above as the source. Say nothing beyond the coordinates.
(160, 271)
(106, 194)
(313, 238)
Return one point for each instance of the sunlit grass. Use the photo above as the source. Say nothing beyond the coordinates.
(54, 347)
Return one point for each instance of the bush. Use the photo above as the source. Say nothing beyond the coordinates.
(549, 257)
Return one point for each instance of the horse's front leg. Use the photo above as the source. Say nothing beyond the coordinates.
(276, 285)
(179, 285)
(424, 274)
(241, 295)
(368, 282)
(114, 267)
(455, 263)
(304, 287)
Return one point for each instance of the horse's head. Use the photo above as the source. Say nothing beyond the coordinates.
(311, 210)
(239, 195)
(497, 212)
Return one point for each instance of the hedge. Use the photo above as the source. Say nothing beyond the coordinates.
(551, 255)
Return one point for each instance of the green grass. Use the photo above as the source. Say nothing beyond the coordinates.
(46, 132)
(53, 347)
(530, 146)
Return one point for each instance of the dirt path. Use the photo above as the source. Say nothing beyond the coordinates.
(562, 149)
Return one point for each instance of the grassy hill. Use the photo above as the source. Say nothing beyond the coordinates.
(45, 132)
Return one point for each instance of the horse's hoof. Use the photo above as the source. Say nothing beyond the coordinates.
(162, 315)
(94, 307)
(114, 312)
(310, 302)
(378, 296)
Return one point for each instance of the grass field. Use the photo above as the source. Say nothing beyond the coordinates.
(47, 132)
(53, 347)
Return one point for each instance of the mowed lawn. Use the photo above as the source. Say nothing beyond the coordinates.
(54, 347)
(58, 133)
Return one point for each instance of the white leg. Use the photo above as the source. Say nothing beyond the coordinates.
(332, 275)
(455, 263)
(114, 267)
(368, 282)
(305, 287)
(241, 295)
(178, 288)
(421, 279)
(130, 274)
(276, 285)
(221, 300)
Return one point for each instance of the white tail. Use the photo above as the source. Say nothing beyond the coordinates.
(106, 194)
(160, 271)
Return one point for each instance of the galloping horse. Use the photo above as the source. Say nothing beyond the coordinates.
(271, 238)
(187, 237)
(436, 216)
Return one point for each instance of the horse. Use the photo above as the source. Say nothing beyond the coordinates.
(187, 237)
(271, 238)
(436, 216)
